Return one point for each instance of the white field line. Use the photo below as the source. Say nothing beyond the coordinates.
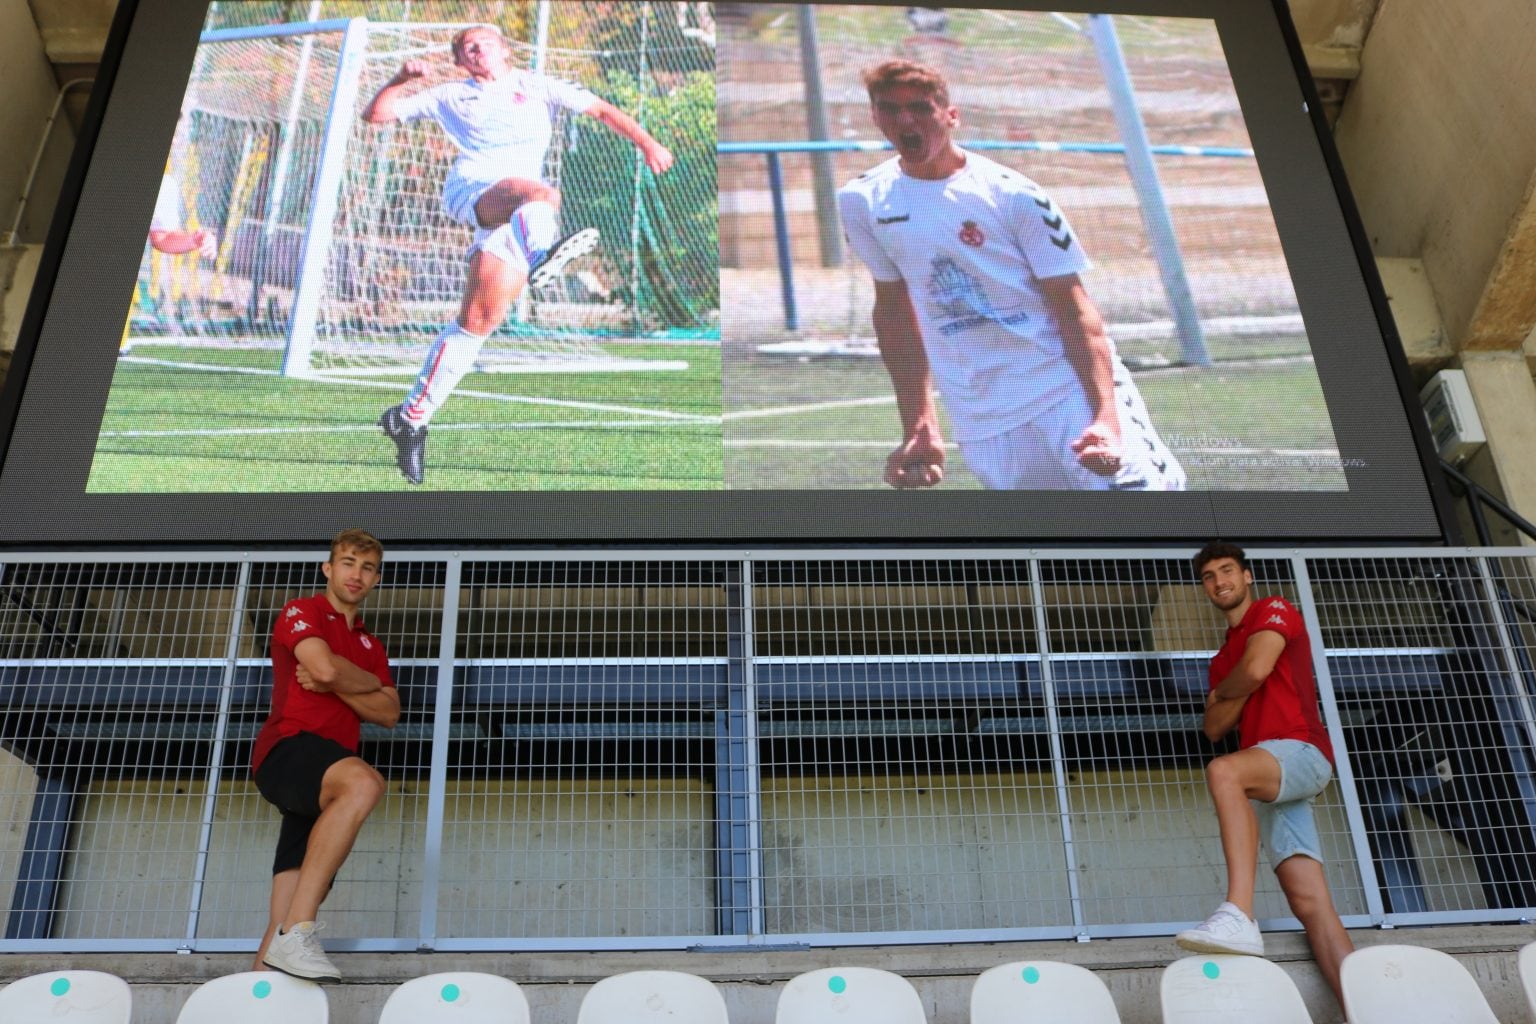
(374, 429)
(813, 444)
(494, 396)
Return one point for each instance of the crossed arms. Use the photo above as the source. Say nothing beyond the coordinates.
(1224, 704)
(320, 670)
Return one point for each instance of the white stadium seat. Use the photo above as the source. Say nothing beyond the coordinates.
(849, 994)
(1041, 992)
(1394, 984)
(1220, 989)
(641, 996)
(70, 997)
(256, 997)
(460, 997)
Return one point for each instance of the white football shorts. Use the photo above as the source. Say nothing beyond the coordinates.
(1038, 456)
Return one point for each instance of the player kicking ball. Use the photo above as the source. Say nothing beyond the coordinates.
(501, 119)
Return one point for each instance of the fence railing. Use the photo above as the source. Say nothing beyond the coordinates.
(669, 749)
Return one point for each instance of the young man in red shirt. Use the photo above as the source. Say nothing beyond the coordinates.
(1262, 684)
(329, 675)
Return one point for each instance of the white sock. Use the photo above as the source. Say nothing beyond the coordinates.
(535, 227)
(451, 356)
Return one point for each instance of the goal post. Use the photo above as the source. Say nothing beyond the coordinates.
(298, 358)
(335, 252)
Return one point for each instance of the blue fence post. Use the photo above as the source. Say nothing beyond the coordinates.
(781, 234)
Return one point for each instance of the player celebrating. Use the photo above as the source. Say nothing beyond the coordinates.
(1262, 685)
(978, 289)
(500, 120)
(329, 675)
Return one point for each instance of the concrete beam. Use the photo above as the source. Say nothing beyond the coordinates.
(1431, 139)
(1416, 316)
(73, 31)
(1505, 396)
(1506, 311)
(1339, 62)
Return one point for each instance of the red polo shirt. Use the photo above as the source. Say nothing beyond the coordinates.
(295, 709)
(1284, 707)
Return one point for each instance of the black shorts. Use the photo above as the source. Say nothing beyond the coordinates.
(289, 779)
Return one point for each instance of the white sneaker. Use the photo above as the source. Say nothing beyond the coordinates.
(298, 952)
(1229, 930)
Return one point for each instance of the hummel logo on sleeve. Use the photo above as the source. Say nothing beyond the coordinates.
(898, 219)
(1064, 242)
(1054, 223)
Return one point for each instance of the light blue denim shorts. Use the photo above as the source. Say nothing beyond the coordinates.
(1287, 824)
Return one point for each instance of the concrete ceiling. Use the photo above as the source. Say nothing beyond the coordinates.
(74, 33)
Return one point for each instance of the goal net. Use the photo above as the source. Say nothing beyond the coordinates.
(334, 249)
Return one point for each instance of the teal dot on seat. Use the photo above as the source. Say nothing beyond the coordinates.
(1211, 970)
(59, 986)
(838, 984)
(261, 989)
(1031, 974)
(450, 993)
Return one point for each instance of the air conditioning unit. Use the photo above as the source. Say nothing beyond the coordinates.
(1453, 422)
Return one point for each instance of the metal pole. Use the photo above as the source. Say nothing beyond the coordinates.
(824, 184)
(1154, 209)
(216, 754)
(1365, 863)
(639, 181)
(781, 237)
(541, 36)
(1058, 750)
(437, 772)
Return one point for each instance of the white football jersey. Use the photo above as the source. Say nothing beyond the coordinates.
(972, 248)
(502, 128)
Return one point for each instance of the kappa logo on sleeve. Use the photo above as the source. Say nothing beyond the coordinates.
(300, 626)
(1277, 619)
(293, 610)
(1277, 603)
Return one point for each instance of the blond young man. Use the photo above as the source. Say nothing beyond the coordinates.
(329, 675)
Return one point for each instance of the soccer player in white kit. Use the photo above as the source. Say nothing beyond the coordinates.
(500, 120)
(978, 290)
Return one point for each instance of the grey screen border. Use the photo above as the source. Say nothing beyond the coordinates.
(42, 484)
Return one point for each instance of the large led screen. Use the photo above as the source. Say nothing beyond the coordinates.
(487, 271)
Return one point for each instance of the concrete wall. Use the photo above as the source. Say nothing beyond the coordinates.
(1433, 138)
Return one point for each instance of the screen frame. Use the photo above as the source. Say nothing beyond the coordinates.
(779, 518)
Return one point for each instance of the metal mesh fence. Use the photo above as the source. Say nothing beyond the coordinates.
(608, 752)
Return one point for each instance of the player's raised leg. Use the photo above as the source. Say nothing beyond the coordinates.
(532, 209)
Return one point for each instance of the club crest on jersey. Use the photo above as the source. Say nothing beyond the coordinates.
(970, 234)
